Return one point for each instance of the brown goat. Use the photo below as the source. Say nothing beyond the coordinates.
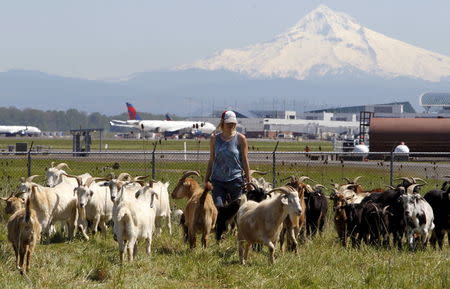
(299, 225)
(200, 214)
(340, 216)
(24, 231)
(13, 204)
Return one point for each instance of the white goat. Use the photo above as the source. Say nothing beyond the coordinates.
(134, 219)
(56, 175)
(419, 218)
(24, 188)
(94, 204)
(55, 204)
(162, 206)
(262, 222)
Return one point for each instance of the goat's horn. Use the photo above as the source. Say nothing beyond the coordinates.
(390, 187)
(355, 180)
(251, 184)
(78, 178)
(348, 180)
(309, 189)
(345, 187)
(89, 181)
(52, 164)
(284, 190)
(101, 179)
(419, 179)
(251, 172)
(410, 189)
(61, 165)
(190, 173)
(142, 183)
(122, 176)
(409, 180)
(304, 178)
(30, 178)
(319, 186)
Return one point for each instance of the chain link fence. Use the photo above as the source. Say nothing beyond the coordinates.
(378, 169)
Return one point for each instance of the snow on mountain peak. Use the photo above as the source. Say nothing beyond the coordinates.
(325, 42)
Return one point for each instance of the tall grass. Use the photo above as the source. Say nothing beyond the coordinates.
(320, 263)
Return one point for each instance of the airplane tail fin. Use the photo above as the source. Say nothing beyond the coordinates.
(168, 117)
(132, 113)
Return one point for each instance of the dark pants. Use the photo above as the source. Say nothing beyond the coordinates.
(226, 192)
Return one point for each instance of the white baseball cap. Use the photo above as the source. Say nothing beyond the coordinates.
(229, 117)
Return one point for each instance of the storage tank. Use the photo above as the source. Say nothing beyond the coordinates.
(419, 134)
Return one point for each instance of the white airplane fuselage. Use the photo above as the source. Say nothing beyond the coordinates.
(166, 125)
(19, 129)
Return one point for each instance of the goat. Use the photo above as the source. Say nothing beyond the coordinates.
(419, 218)
(24, 188)
(56, 175)
(134, 218)
(439, 200)
(162, 206)
(24, 231)
(298, 224)
(262, 222)
(94, 204)
(55, 204)
(316, 210)
(200, 214)
(13, 204)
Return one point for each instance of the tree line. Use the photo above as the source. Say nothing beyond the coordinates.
(57, 120)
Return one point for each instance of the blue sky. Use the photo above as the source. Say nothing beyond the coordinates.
(111, 39)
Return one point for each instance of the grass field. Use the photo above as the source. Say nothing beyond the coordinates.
(320, 263)
(193, 145)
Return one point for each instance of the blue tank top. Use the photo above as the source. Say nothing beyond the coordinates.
(227, 164)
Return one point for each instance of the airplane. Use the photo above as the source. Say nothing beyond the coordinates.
(11, 130)
(168, 125)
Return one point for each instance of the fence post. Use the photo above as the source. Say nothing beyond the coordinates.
(274, 170)
(391, 174)
(29, 159)
(154, 161)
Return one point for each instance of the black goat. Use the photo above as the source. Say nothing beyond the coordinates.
(439, 201)
(316, 210)
(226, 216)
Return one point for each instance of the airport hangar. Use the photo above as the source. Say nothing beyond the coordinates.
(428, 131)
(319, 124)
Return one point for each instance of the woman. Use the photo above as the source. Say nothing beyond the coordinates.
(228, 166)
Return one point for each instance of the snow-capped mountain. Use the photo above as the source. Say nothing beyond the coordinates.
(326, 42)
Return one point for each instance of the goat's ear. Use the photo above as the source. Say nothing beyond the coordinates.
(4, 199)
(284, 200)
(186, 184)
